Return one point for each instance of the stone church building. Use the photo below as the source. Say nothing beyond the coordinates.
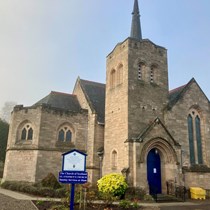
(132, 125)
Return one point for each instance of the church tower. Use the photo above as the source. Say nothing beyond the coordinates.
(136, 93)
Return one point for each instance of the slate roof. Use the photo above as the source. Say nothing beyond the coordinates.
(95, 94)
(174, 95)
(61, 101)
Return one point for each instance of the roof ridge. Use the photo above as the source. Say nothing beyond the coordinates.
(70, 94)
(176, 89)
(92, 82)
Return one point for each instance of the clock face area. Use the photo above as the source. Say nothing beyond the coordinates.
(74, 161)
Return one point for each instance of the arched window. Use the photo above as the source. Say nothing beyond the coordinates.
(113, 78)
(65, 134)
(27, 132)
(120, 74)
(198, 138)
(30, 134)
(114, 159)
(23, 134)
(195, 140)
(191, 139)
(61, 135)
(68, 135)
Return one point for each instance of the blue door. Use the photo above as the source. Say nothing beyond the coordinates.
(154, 172)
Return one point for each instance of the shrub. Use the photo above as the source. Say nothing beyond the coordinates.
(125, 204)
(35, 189)
(47, 191)
(135, 194)
(112, 184)
(60, 193)
(148, 198)
(15, 186)
(135, 205)
(50, 181)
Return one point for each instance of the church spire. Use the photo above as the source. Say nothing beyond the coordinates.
(136, 25)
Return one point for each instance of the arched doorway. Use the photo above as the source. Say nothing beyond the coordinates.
(154, 171)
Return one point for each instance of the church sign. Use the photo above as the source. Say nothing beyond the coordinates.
(73, 171)
(73, 177)
(74, 161)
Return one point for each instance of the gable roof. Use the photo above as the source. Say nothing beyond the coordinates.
(149, 128)
(61, 101)
(95, 95)
(177, 93)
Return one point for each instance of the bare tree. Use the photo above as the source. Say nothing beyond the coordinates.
(6, 110)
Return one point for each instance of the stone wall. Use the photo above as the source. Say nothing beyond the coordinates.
(48, 162)
(42, 154)
(53, 119)
(132, 103)
(95, 137)
(176, 121)
(193, 179)
(147, 97)
(20, 165)
(21, 156)
(116, 106)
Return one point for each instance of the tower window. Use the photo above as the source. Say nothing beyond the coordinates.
(120, 74)
(113, 78)
(195, 140)
(140, 72)
(141, 67)
(151, 75)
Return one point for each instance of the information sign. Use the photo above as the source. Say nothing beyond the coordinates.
(76, 177)
(73, 171)
(74, 161)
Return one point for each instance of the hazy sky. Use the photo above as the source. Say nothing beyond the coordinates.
(46, 44)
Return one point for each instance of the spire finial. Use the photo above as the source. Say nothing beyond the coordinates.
(136, 25)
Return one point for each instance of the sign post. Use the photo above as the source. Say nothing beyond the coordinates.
(73, 171)
(72, 197)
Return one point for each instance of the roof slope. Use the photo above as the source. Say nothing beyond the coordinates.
(61, 101)
(174, 95)
(95, 94)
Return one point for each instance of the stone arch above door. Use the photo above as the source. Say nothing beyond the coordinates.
(163, 146)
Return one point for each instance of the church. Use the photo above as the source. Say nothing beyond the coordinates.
(132, 125)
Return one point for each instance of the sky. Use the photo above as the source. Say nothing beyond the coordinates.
(46, 45)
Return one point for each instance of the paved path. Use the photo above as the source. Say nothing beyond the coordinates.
(22, 196)
(10, 200)
(9, 203)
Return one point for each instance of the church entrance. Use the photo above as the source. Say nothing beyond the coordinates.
(154, 171)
